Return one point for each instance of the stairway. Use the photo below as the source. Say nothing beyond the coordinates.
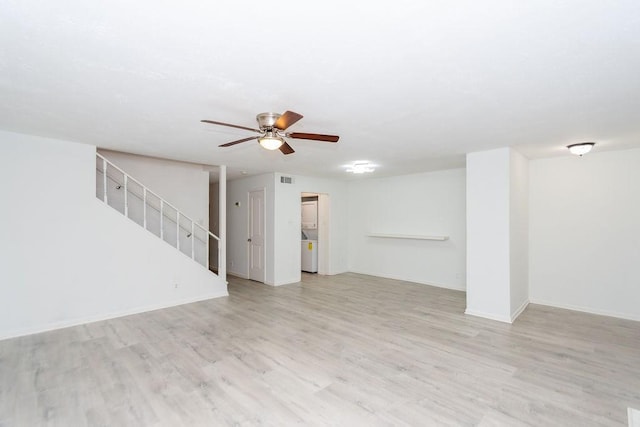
(132, 199)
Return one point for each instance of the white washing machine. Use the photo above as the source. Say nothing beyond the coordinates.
(309, 250)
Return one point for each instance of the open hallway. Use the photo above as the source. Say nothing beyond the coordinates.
(340, 350)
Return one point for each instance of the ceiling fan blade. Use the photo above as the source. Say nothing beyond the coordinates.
(287, 119)
(230, 125)
(314, 136)
(229, 144)
(286, 149)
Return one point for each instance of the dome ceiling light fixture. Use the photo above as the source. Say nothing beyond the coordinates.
(581, 148)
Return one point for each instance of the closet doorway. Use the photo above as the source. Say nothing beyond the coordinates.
(315, 228)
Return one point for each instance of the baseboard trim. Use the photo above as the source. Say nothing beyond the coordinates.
(91, 319)
(589, 310)
(519, 311)
(404, 279)
(236, 274)
(490, 316)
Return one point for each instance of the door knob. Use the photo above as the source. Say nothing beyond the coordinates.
(248, 240)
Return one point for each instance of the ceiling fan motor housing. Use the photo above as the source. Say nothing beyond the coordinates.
(267, 120)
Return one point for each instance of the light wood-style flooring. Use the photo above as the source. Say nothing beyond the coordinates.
(345, 350)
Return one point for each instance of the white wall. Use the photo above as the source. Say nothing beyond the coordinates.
(283, 217)
(488, 231)
(184, 185)
(420, 204)
(238, 224)
(585, 232)
(214, 224)
(519, 232)
(288, 223)
(67, 258)
(497, 234)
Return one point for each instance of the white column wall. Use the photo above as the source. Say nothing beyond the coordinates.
(519, 233)
(214, 221)
(497, 234)
(221, 244)
(488, 234)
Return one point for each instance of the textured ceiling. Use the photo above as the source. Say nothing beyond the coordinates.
(408, 85)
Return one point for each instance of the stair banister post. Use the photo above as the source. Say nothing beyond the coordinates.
(144, 207)
(222, 224)
(193, 243)
(104, 179)
(178, 229)
(162, 219)
(126, 198)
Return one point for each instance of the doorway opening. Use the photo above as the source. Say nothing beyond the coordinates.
(315, 246)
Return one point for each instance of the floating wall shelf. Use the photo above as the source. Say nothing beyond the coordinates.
(408, 236)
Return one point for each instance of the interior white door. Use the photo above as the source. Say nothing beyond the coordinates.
(256, 236)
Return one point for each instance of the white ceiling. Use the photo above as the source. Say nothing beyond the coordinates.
(409, 85)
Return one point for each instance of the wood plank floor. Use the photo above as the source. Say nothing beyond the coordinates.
(343, 350)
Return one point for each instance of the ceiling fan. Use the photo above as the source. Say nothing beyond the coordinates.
(272, 131)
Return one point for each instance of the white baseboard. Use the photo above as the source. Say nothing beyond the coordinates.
(499, 318)
(404, 279)
(590, 310)
(236, 274)
(490, 316)
(519, 311)
(113, 315)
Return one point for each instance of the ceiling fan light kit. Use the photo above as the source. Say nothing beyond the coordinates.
(270, 142)
(272, 132)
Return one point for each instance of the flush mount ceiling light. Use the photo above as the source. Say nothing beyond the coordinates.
(361, 166)
(581, 148)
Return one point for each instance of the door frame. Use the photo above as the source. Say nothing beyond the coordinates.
(324, 241)
(323, 227)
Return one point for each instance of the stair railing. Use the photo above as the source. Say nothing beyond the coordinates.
(191, 232)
